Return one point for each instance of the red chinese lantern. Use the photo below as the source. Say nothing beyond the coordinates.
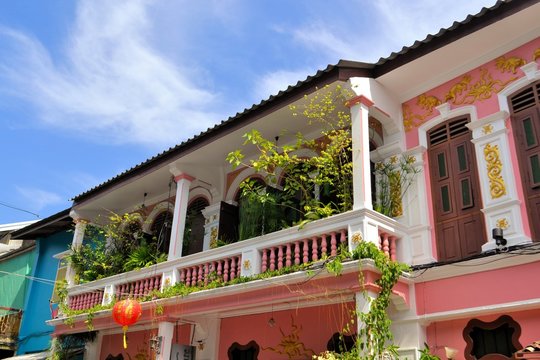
(125, 313)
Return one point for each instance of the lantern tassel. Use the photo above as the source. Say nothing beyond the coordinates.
(125, 328)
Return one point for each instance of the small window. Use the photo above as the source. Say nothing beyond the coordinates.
(492, 340)
(60, 276)
(445, 199)
(441, 161)
(340, 343)
(528, 130)
(534, 162)
(466, 194)
(250, 351)
(462, 158)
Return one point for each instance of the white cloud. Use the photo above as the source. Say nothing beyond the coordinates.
(408, 21)
(272, 83)
(387, 26)
(320, 37)
(37, 199)
(114, 86)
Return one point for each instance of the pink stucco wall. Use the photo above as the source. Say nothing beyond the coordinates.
(484, 82)
(315, 326)
(486, 288)
(486, 104)
(450, 333)
(138, 342)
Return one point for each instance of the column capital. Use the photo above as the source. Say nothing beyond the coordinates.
(179, 174)
(77, 218)
(360, 99)
(183, 176)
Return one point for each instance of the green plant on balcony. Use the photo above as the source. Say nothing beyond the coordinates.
(394, 178)
(303, 177)
(116, 247)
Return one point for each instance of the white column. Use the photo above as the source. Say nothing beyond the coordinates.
(78, 237)
(166, 331)
(417, 246)
(183, 181)
(92, 350)
(502, 206)
(363, 305)
(206, 339)
(359, 107)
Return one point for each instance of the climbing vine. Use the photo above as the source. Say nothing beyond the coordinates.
(374, 337)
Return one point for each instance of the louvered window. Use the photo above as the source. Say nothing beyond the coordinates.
(526, 99)
(449, 130)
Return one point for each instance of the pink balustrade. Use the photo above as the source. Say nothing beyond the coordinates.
(224, 269)
(138, 288)
(86, 300)
(387, 244)
(302, 251)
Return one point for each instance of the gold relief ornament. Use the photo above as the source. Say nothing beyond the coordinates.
(213, 237)
(357, 238)
(410, 119)
(510, 64)
(483, 89)
(290, 345)
(464, 91)
(494, 165)
(502, 223)
(458, 89)
(247, 264)
(395, 193)
(428, 102)
(536, 54)
(487, 129)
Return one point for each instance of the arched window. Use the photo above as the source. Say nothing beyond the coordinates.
(525, 108)
(455, 191)
(496, 340)
(161, 230)
(194, 230)
(254, 217)
(250, 351)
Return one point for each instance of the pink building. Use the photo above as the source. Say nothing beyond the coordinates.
(464, 103)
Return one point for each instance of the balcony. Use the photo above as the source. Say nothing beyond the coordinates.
(270, 252)
(10, 321)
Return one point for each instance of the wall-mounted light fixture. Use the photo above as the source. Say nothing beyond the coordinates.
(498, 236)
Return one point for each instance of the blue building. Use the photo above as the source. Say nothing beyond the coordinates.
(53, 237)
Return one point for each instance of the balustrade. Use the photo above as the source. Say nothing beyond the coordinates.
(270, 252)
(302, 251)
(201, 274)
(138, 288)
(9, 325)
(86, 300)
(387, 244)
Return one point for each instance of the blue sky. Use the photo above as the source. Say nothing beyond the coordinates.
(90, 88)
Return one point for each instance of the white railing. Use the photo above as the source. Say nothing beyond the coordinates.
(274, 251)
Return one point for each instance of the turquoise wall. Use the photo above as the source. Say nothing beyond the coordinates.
(13, 283)
(34, 334)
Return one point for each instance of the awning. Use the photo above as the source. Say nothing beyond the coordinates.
(35, 356)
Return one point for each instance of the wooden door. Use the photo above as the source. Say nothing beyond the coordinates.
(455, 191)
(526, 128)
